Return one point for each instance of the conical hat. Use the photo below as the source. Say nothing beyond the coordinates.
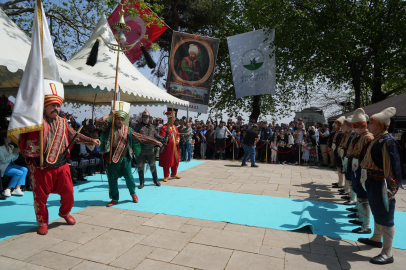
(348, 120)
(383, 118)
(54, 92)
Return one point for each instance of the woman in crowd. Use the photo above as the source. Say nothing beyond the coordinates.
(7, 155)
(282, 157)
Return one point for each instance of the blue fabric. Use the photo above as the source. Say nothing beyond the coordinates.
(374, 192)
(187, 152)
(248, 151)
(359, 189)
(17, 173)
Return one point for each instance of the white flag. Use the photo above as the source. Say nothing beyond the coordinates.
(27, 115)
(253, 69)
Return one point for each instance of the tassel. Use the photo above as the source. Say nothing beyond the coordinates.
(92, 59)
(148, 58)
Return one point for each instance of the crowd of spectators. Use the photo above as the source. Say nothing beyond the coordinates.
(210, 139)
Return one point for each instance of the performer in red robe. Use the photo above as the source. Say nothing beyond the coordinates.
(55, 177)
(170, 154)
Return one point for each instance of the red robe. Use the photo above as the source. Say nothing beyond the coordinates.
(168, 158)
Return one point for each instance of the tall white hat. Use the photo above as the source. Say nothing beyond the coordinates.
(122, 110)
(194, 48)
(382, 119)
(341, 119)
(359, 116)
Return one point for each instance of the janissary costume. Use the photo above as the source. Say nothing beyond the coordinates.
(55, 177)
(147, 154)
(169, 156)
(125, 143)
(343, 149)
(364, 138)
(381, 174)
(336, 142)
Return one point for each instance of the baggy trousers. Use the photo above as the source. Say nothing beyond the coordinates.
(47, 181)
(117, 170)
(174, 170)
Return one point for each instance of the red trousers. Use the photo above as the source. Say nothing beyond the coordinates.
(47, 181)
(174, 170)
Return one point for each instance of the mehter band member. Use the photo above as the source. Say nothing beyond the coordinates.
(381, 174)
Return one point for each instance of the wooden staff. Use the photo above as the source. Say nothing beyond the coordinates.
(114, 104)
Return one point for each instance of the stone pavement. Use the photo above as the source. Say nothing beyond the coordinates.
(111, 238)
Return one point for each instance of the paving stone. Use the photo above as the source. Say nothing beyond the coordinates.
(227, 187)
(133, 257)
(80, 233)
(206, 223)
(202, 186)
(272, 251)
(164, 255)
(167, 239)
(53, 260)
(203, 257)
(145, 230)
(322, 249)
(64, 247)
(229, 239)
(244, 260)
(117, 221)
(190, 228)
(139, 214)
(245, 229)
(107, 247)
(27, 246)
(11, 264)
(309, 261)
(148, 264)
(88, 265)
(287, 239)
(166, 222)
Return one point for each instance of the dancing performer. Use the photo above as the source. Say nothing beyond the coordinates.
(359, 122)
(125, 143)
(338, 136)
(55, 177)
(147, 154)
(170, 154)
(381, 175)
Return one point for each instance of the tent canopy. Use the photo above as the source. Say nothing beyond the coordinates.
(134, 87)
(15, 47)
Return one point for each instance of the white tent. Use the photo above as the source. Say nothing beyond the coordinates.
(135, 88)
(15, 47)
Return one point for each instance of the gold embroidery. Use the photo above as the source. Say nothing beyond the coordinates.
(59, 138)
(121, 145)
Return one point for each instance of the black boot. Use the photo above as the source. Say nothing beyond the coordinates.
(155, 178)
(142, 180)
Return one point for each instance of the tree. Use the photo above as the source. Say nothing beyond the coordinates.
(355, 42)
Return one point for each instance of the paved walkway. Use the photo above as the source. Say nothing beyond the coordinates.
(111, 238)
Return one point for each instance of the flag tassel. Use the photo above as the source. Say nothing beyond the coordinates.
(92, 59)
(150, 62)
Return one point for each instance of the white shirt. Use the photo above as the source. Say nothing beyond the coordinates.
(6, 157)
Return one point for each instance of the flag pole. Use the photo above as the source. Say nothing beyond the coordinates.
(114, 102)
(41, 34)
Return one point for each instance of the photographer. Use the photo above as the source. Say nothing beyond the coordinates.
(324, 134)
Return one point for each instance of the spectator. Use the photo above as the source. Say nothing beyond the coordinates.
(324, 134)
(187, 135)
(274, 147)
(250, 140)
(299, 136)
(203, 146)
(17, 173)
(210, 142)
(306, 153)
(282, 149)
(220, 135)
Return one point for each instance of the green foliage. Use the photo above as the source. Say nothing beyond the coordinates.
(360, 43)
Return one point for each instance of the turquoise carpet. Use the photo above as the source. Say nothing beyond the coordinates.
(327, 219)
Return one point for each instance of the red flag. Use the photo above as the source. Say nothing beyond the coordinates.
(138, 28)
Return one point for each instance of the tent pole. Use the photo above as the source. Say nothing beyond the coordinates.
(114, 104)
(187, 114)
(95, 97)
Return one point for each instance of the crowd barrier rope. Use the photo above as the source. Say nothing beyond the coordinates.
(315, 152)
(284, 152)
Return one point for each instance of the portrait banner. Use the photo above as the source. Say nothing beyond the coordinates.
(253, 68)
(191, 68)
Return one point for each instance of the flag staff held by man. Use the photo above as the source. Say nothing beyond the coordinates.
(43, 136)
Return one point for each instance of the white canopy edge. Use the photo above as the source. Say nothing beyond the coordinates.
(15, 47)
(130, 80)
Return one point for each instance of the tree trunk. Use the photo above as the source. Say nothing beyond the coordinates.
(256, 108)
(377, 94)
(356, 83)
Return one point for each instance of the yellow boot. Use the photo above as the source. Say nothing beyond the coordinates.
(176, 176)
(165, 179)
